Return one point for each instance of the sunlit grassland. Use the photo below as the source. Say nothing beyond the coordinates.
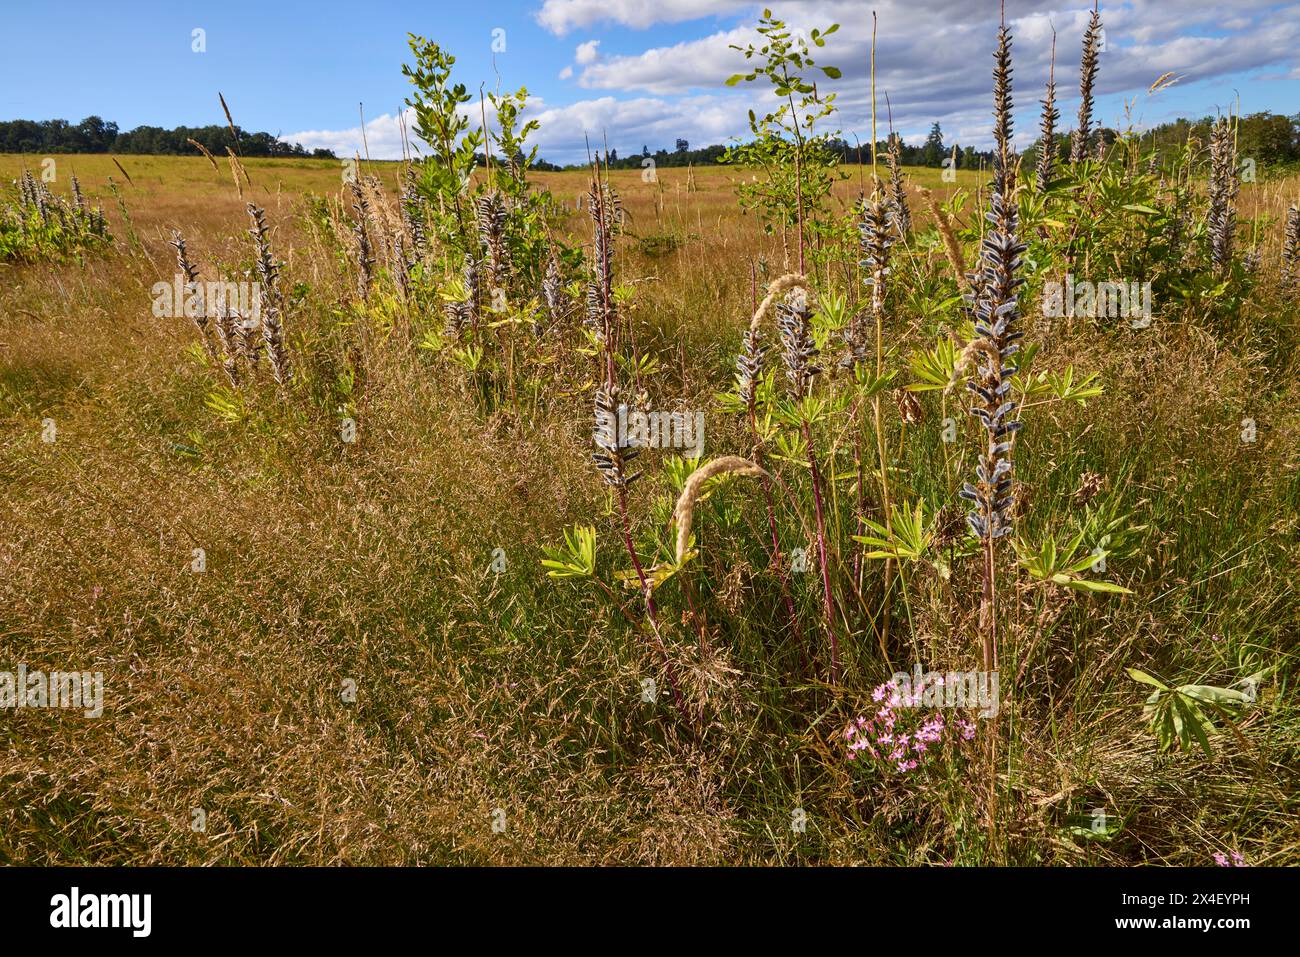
(370, 563)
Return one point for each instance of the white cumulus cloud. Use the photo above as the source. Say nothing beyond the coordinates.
(933, 62)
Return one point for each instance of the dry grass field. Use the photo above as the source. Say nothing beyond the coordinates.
(358, 676)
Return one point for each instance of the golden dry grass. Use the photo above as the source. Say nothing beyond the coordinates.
(329, 563)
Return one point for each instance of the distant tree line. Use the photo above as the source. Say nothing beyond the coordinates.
(682, 155)
(1270, 139)
(94, 135)
(933, 152)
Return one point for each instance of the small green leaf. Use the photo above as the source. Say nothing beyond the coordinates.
(1146, 679)
(1110, 588)
(1210, 694)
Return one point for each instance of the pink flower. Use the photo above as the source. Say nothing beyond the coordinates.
(909, 738)
(1221, 859)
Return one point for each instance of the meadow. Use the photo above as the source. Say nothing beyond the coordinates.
(318, 595)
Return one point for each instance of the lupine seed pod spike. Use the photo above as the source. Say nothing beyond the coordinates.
(749, 366)
(1087, 80)
(876, 231)
(1047, 128)
(611, 455)
(553, 292)
(361, 239)
(272, 301)
(190, 277)
(491, 215)
(996, 309)
(1291, 249)
(898, 193)
(606, 211)
(794, 320)
(1224, 184)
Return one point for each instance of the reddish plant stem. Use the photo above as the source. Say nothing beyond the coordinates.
(821, 554)
(988, 606)
(860, 521)
(652, 613)
(778, 559)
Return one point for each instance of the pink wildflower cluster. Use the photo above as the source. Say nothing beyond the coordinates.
(903, 739)
(1238, 859)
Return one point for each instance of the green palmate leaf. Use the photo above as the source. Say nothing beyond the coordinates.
(1176, 731)
(1062, 566)
(933, 368)
(908, 537)
(678, 469)
(869, 384)
(432, 341)
(577, 557)
(227, 404)
(1176, 716)
(1065, 388)
(469, 358)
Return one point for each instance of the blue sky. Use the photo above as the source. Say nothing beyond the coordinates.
(632, 71)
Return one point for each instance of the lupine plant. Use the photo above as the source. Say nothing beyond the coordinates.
(41, 225)
(870, 496)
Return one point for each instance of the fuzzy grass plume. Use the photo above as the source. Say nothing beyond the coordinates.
(779, 287)
(948, 233)
(684, 511)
